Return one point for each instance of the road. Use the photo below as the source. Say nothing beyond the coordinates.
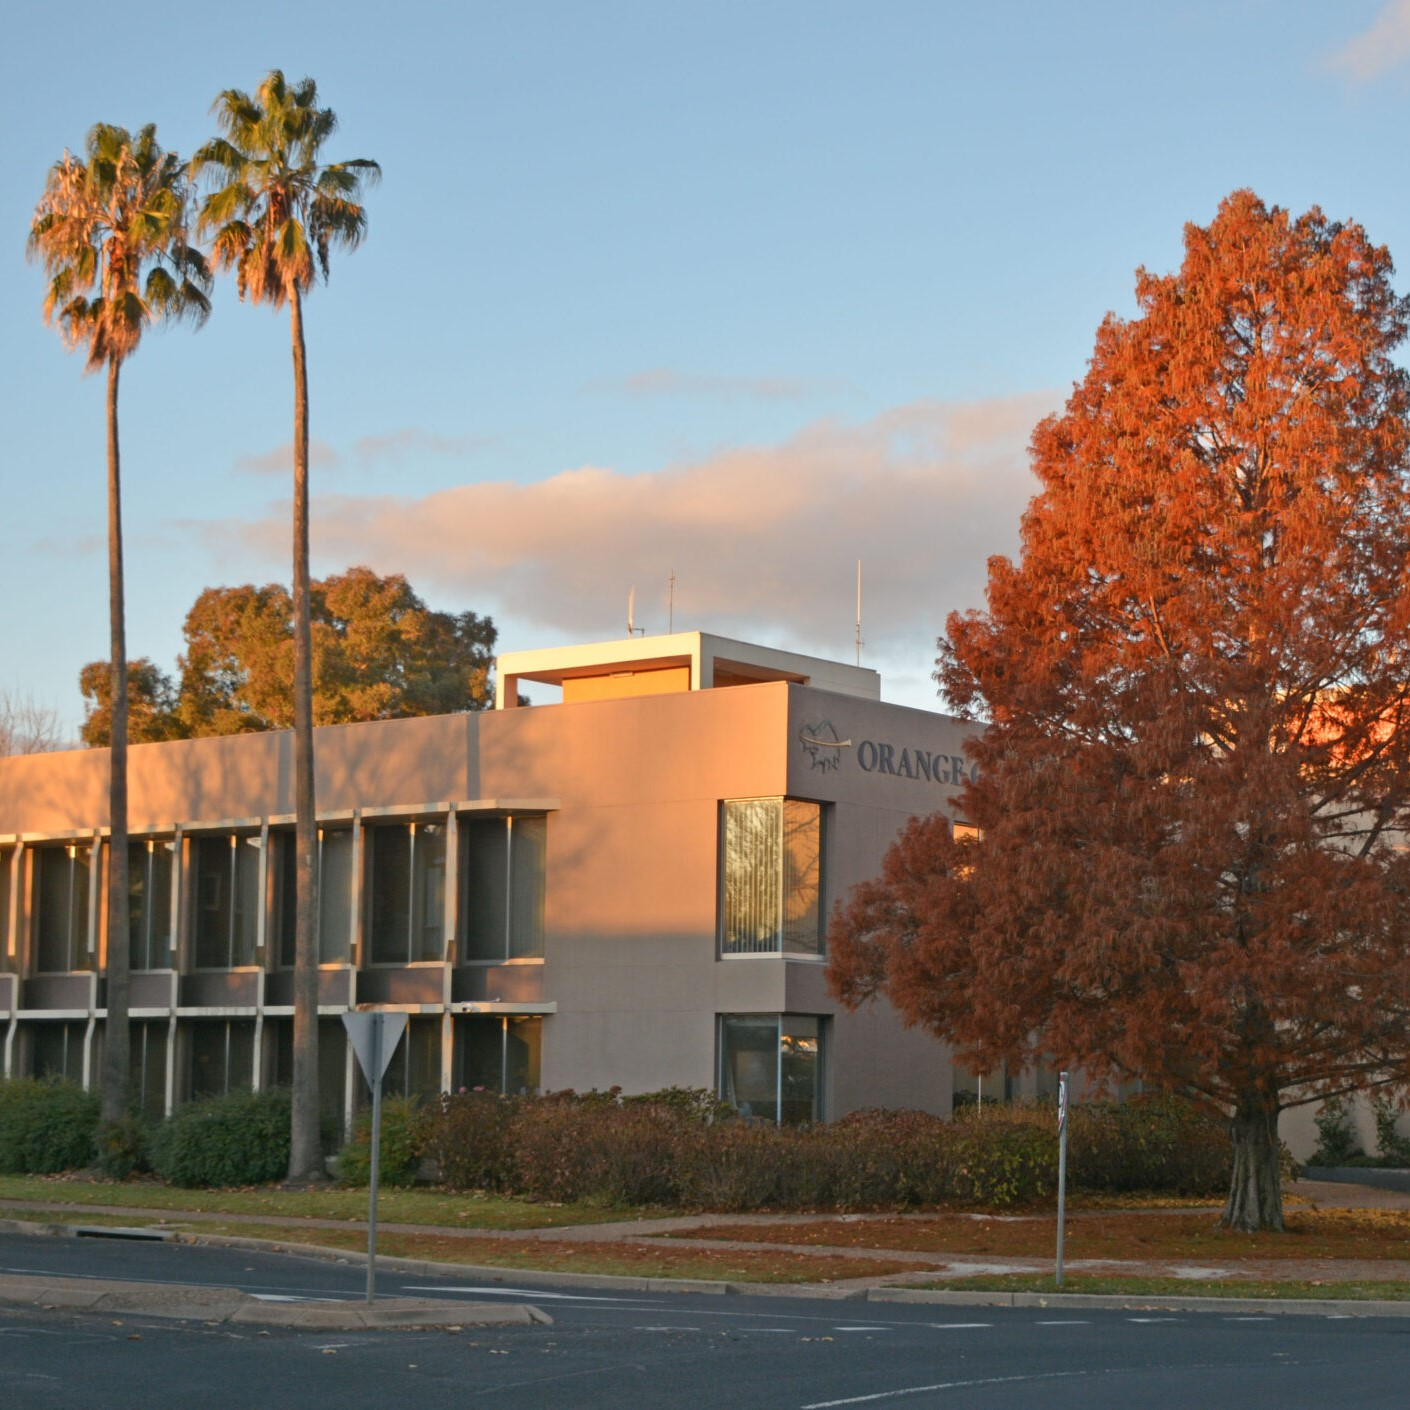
(674, 1351)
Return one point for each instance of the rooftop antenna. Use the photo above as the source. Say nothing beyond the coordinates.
(671, 604)
(632, 628)
(859, 611)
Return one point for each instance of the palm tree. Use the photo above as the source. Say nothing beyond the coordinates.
(275, 215)
(101, 224)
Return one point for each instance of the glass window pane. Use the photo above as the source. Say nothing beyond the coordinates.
(800, 1070)
(149, 904)
(480, 1056)
(389, 892)
(54, 904)
(486, 865)
(213, 902)
(335, 878)
(415, 1068)
(523, 1053)
(283, 942)
(6, 862)
(749, 1064)
(802, 878)
(428, 901)
(528, 846)
(249, 900)
(149, 1068)
(753, 875)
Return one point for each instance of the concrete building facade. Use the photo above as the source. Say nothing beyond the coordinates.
(628, 888)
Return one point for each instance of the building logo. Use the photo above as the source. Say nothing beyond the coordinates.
(822, 746)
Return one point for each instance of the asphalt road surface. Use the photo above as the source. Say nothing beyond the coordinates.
(680, 1351)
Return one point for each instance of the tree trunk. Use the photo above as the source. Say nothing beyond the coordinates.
(1256, 1191)
(116, 1077)
(305, 1145)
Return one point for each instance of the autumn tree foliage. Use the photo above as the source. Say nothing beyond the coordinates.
(1194, 787)
(378, 653)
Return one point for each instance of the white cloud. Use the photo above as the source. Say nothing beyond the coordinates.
(280, 460)
(1382, 47)
(396, 446)
(763, 540)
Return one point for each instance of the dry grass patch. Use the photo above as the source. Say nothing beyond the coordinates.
(1313, 1233)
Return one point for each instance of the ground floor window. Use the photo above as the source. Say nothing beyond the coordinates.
(332, 1066)
(222, 1057)
(498, 1053)
(149, 1044)
(415, 1068)
(771, 1066)
(56, 1050)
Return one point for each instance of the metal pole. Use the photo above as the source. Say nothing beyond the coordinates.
(1062, 1167)
(376, 1153)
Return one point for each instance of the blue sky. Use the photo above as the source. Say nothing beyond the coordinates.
(743, 291)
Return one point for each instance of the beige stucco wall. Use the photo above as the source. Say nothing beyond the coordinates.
(631, 899)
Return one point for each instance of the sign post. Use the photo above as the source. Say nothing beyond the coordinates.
(374, 1037)
(1062, 1167)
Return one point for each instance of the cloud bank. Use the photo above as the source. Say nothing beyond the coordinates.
(763, 540)
(1377, 50)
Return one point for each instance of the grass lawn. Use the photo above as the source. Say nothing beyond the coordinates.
(1181, 1236)
(394, 1206)
(1388, 1291)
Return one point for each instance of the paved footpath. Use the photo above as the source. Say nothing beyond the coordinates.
(229, 1305)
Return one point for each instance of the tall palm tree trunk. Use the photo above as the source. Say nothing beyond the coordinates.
(305, 1152)
(116, 1035)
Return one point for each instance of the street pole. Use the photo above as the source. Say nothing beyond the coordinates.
(376, 1154)
(1062, 1167)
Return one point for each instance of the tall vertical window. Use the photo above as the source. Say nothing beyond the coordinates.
(149, 903)
(499, 1053)
(503, 864)
(771, 882)
(6, 863)
(771, 1066)
(406, 884)
(222, 1058)
(57, 1050)
(61, 920)
(149, 1042)
(228, 900)
(335, 876)
(415, 1068)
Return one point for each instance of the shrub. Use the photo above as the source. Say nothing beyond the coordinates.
(571, 1147)
(893, 1159)
(470, 1137)
(1004, 1155)
(698, 1104)
(46, 1126)
(403, 1144)
(1392, 1148)
(1156, 1142)
(239, 1139)
(1336, 1138)
(732, 1167)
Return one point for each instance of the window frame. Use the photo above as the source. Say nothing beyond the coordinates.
(783, 944)
(507, 901)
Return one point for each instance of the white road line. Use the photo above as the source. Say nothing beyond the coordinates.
(665, 1329)
(957, 1326)
(1150, 1321)
(941, 1385)
(861, 1329)
(1070, 1322)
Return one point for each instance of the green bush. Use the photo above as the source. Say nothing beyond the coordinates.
(1392, 1148)
(1148, 1143)
(1004, 1156)
(122, 1147)
(46, 1127)
(239, 1139)
(402, 1148)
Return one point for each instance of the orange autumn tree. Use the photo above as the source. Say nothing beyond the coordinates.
(1194, 788)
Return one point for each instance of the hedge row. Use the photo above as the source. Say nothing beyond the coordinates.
(677, 1149)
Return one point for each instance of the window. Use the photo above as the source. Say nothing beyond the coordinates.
(222, 1058)
(406, 883)
(61, 922)
(227, 900)
(772, 877)
(149, 1042)
(57, 1051)
(149, 904)
(335, 878)
(771, 1066)
(498, 1053)
(503, 863)
(6, 862)
(415, 1068)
